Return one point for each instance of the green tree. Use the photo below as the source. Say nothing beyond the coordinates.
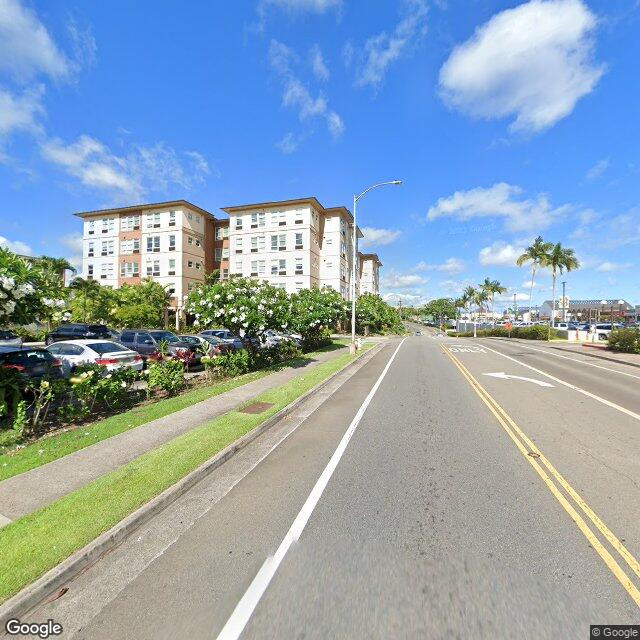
(87, 290)
(559, 259)
(374, 314)
(492, 287)
(536, 254)
(468, 298)
(441, 308)
(313, 311)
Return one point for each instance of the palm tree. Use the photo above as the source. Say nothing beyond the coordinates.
(468, 296)
(492, 287)
(559, 259)
(57, 265)
(536, 255)
(88, 289)
(481, 296)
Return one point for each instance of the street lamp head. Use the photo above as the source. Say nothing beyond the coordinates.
(396, 182)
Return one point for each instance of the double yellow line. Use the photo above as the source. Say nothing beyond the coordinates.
(546, 471)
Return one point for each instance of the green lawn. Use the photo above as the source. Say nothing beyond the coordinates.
(39, 541)
(61, 444)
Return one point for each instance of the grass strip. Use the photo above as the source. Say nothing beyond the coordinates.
(35, 543)
(51, 448)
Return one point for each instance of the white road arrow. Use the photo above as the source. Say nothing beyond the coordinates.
(506, 376)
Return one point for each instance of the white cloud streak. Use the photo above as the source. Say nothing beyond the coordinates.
(450, 266)
(534, 62)
(318, 65)
(500, 254)
(378, 237)
(17, 246)
(502, 200)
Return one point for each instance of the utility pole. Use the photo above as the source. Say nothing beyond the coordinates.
(564, 298)
(515, 308)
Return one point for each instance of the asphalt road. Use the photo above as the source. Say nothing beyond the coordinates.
(440, 517)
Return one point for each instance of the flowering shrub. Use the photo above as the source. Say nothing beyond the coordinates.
(242, 305)
(314, 311)
(374, 314)
(167, 375)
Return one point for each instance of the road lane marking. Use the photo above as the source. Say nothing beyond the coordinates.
(535, 458)
(613, 405)
(507, 376)
(246, 606)
(589, 364)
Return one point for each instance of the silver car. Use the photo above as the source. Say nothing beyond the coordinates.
(10, 339)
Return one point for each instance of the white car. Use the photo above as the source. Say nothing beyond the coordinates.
(107, 353)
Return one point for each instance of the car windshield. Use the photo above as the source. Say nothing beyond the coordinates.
(164, 335)
(189, 339)
(7, 335)
(107, 347)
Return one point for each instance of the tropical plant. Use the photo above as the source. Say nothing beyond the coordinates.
(559, 259)
(376, 315)
(536, 254)
(480, 297)
(315, 310)
(167, 375)
(87, 291)
(468, 297)
(492, 287)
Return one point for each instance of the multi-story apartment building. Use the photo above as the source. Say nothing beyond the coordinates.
(369, 272)
(172, 242)
(294, 244)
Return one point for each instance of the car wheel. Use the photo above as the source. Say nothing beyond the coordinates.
(48, 341)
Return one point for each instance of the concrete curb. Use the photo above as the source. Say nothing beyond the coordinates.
(591, 354)
(45, 586)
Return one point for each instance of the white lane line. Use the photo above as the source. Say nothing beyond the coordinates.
(589, 364)
(613, 405)
(249, 601)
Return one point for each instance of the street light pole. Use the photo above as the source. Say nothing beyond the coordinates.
(564, 298)
(352, 346)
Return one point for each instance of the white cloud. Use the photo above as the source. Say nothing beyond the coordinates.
(500, 254)
(296, 94)
(534, 62)
(609, 267)
(130, 177)
(318, 65)
(19, 112)
(597, 170)
(395, 280)
(16, 246)
(499, 201)
(73, 241)
(26, 48)
(450, 265)
(300, 6)
(380, 51)
(378, 237)
(406, 299)
(289, 143)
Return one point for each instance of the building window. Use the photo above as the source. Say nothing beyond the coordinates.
(298, 219)
(258, 268)
(89, 271)
(238, 222)
(153, 220)
(224, 274)
(108, 224)
(172, 218)
(328, 264)
(198, 243)
(130, 246)
(257, 243)
(91, 227)
(171, 289)
(107, 248)
(298, 266)
(298, 286)
(190, 286)
(172, 267)
(189, 239)
(299, 241)
(129, 270)
(279, 242)
(153, 244)
(238, 268)
(282, 267)
(257, 220)
(130, 223)
(172, 243)
(343, 249)
(198, 266)
(343, 272)
(282, 218)
(153, 268)
(190, 264)
(197, 219)
(91, 249)
(189, 215)
(225, 253)
(218, 254)
(238, 245)
(106, 271)
(254, 268)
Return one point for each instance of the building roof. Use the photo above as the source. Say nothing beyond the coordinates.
(371, 256)
(151, 205)
(602, 303)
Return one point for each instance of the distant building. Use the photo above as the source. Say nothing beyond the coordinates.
(369, 273)
(590, 310)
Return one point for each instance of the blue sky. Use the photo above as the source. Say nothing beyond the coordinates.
(504, 120)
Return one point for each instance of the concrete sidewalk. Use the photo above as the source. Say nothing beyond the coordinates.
(39, 487)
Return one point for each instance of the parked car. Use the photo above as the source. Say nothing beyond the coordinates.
(147, 343)
(271, 338)
(295, 337)
(32, 362)
(9, 338)
(225, 335)
(107, 353)
(215, 345)
(78, 331)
